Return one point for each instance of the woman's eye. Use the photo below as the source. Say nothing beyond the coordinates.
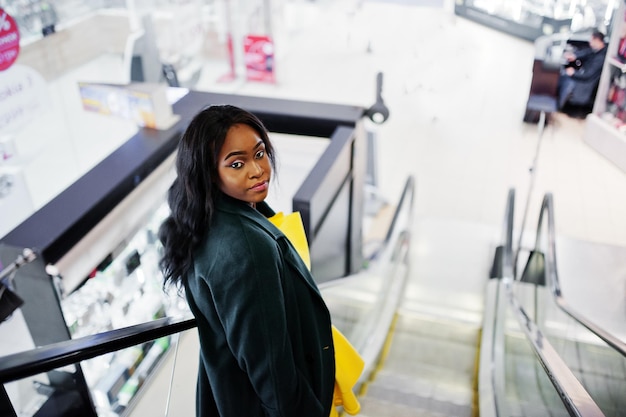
(236, 165)
(260, 154)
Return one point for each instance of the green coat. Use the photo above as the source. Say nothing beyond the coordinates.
(266, 344)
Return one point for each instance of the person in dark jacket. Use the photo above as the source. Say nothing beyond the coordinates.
(579, 78)
(266, 345)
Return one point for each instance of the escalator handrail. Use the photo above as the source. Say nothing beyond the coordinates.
(407, 192)
(573, 394)
(492, 393)
(370, 341)
(547, 213)
(56, 355)
(507, 253)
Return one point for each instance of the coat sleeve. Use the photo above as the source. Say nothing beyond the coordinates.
(248, 295)
(591, 69)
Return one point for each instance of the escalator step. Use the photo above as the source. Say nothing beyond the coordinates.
(421, 352)
(411, 407)
(423, 393)
(371, 407)
(428, 371)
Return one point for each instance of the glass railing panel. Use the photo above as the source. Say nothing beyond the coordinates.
(363, 305)
(543, 354)
(358, 301)
(59, 392)
(529, 391)
(599, 367)
(594, 356)
(172, 387)
(27, 399)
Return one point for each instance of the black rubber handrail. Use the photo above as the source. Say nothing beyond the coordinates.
(46, 358)
(407, 192)
(547, 210)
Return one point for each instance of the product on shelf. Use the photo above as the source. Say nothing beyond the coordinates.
(124, 290)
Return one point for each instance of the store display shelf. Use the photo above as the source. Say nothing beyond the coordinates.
(605, 128)
(617, 63)
(607, 139)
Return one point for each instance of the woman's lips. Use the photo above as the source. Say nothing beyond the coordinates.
(261, 186)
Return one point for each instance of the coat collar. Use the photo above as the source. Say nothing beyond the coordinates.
(258, 215)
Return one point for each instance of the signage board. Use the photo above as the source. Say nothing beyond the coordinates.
(144, 103)
(9, 40)
(259, 58)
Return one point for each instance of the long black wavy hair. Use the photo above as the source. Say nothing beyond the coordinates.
(192, 196)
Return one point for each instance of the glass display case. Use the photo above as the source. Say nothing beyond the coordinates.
(124, 289)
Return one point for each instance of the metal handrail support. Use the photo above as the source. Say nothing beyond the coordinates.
(531, 185)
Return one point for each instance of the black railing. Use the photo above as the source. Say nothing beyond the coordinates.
(46, 358)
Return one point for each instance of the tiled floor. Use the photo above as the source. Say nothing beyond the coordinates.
(457, 93)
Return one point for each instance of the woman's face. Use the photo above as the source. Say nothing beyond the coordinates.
(243, 166)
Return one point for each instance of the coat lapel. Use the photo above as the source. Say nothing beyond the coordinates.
(259, 217)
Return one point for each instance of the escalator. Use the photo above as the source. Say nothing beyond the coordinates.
(419, 364)
(544, 357)
(527, 356)
(530, 356)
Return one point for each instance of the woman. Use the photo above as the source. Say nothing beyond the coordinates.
(266, 345)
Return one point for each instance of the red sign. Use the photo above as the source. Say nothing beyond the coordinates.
(9, 40)
(259, 56)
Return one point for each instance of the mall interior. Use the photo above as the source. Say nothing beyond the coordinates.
(474, 258)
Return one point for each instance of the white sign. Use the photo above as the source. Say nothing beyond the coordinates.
(21, 97)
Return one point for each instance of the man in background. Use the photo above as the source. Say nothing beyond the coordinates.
(580, 76)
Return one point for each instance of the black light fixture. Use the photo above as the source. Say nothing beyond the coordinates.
(378, 112)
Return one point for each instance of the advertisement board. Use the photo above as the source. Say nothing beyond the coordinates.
(9, 40)
(144, 103)
(259, 58)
